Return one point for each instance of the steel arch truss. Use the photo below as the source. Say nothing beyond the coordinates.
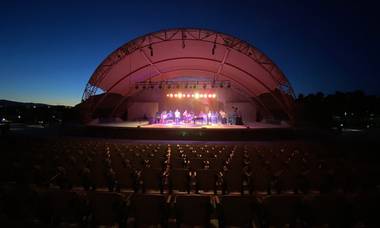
(147, 42)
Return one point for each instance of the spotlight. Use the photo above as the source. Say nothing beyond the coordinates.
(205, 95)
(213, 95)
(175, 95)
(196, 95)
(171, 95)
(167, 95)
(188, 95)
(210, 95)
(201, 95)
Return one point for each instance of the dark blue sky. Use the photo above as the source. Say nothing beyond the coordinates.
(49, 49)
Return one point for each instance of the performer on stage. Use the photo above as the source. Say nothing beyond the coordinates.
(157, 118)
(223, 116)
(164, 115)
(177, 116)
(170, 116)
(185, 116)
(209, 117)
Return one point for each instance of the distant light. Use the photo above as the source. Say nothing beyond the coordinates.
(3, 119)
(19, 117)
(181, 95)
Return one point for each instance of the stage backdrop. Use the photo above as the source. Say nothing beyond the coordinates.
(246, 109)
(137, 110)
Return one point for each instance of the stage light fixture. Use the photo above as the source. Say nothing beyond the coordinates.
(177, 86)
(169, 86)
(204, 86)
(210, 95)
(171, 95)
(201, 95)
(213, 95)
(175, 95)
(188, 95)
(144, 87)
(196, 95)
(136, 87)
(152, 86)
(205, 95)
(160, 86)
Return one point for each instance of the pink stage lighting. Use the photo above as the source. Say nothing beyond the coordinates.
(180, 95)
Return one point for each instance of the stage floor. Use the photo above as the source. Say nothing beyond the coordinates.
(146, 125)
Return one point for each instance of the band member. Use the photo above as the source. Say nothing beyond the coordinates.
(185, 116)
(177, 116)
(223, 116)
(157, 117)
(170, 116)
(164, 115)
(204, 116)
(209, 115)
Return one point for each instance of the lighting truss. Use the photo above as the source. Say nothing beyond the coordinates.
(183, 84)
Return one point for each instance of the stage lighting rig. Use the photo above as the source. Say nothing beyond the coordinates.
(183, 84)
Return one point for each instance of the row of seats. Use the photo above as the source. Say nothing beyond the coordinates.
(268, 167)
(55, 207)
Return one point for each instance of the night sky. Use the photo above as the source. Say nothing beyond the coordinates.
(49, 49)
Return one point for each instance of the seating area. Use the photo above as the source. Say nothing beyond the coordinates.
(93, 182)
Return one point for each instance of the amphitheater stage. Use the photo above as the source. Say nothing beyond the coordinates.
(144, 130)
